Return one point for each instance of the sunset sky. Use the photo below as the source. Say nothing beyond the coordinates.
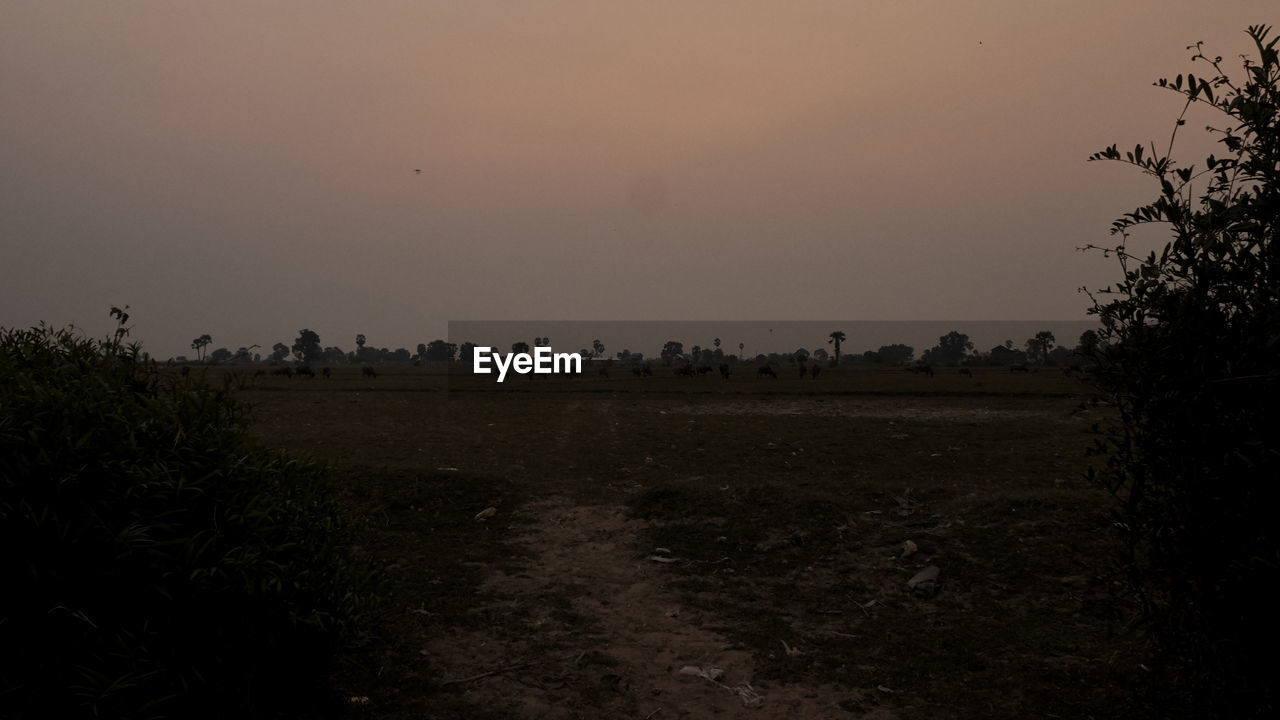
(247, 169)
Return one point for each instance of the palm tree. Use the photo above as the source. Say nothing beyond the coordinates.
(836, 338)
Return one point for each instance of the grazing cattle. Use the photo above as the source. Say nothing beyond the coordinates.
(305, 370)
(813, 371)
(921, 369)
(724, 370)
(285, 371)
(766, 371)
(686, 370)
(705, 369)
(966, 371)
(1019, 367)
(368, 372)
(326, 373)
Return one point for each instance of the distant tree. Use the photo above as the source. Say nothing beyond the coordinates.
(466, 353)
(307, 346)
(541, 342)
(1039, 346)
(219, 356)
(801, 355)
(279, 352)
(896, 354)
(438, 351)
(951, 348)
(199, 344)
(716, 342)
(360, 341)
(422, 351)
(695, 353)
(741, 348)
(520, 347)
(1087, 346)
(598, 348)
(835, 339)
(820, 355)
(671, 351)
(401, 355)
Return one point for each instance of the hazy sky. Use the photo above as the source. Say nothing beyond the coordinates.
(247, 169)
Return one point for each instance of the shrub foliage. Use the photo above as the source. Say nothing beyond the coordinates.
(156, 563)
(1190, 355)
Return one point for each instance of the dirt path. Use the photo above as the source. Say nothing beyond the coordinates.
(604, 637)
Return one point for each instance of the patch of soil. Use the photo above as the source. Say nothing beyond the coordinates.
(591, 630)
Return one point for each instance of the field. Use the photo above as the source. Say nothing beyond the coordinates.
(672, 547)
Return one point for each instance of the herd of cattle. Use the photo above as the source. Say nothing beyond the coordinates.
(686, 370)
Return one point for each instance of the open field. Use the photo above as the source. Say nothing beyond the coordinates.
(760, 527)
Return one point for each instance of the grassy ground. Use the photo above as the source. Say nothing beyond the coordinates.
(764, 528)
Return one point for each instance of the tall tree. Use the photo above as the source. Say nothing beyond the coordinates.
(1188, 357)
(1040, 345)
(597, 347)
(835, 339)
(307, 346)
(199, 344)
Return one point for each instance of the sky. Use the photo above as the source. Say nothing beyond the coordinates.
(249, 169)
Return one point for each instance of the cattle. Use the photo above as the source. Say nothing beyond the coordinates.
(724, 370)
(705, 369)
(305, 370)
(1019, 367)
(647, 371)
(766, 371)
(285, 371)
(368, 372)
(921, 369)
(326, 373)
(813, 371)
(686, 370)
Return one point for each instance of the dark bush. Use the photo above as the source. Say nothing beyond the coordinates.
(156, 563)
(1190, 357)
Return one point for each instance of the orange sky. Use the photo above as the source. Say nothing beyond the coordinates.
(245, 169)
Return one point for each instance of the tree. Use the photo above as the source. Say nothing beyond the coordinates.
(307, 346)
(896, 354)
(1040, 345)
(1187, 354)
(951, 348)
(422, 351)
(279, 352)
(438, 351)
(716, 342)
(598, 348)
(520, 347)
(671, 351)
(199, 344)
(836, 338)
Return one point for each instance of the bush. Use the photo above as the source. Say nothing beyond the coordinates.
(157, 563)
(1190, 355)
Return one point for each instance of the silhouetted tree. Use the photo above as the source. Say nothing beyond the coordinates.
(896, 354)
(199, 344)
(671, 351)
(951, 348)
(279, 352)
(520, 347)
(1038, 347)
(307, 346)
(1189, 358)
(835, 339)
(598, 348)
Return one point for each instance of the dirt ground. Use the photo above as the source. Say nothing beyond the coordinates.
(642, 551)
